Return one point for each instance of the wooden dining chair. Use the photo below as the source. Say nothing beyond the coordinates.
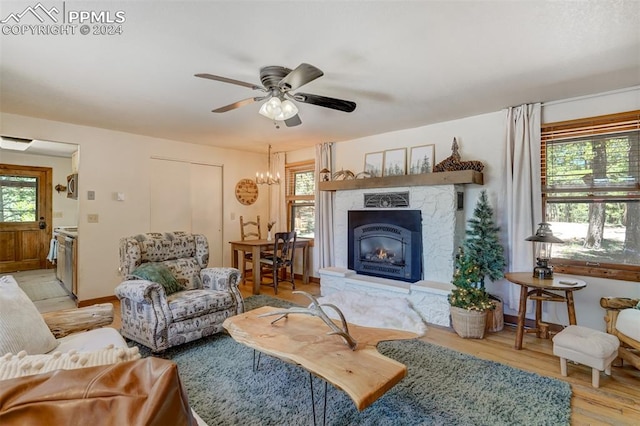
(249, 230)
(281, 260)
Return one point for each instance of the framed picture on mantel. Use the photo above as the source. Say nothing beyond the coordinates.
(421, 160)
(395, 162)
(373, 163)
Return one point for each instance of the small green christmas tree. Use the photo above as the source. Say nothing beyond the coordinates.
(482, 243)
(468, 294)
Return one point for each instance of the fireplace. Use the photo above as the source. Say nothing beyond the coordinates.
(386, 243)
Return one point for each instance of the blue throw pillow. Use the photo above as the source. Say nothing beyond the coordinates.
(158, 273)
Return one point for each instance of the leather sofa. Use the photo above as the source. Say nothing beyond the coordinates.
(66, 367)
(142, 392)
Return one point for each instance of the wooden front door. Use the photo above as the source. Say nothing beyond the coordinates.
(25, 217)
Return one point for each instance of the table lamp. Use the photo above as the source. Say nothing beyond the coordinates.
(543, 241)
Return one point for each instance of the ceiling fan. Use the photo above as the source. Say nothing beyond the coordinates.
(277, 83)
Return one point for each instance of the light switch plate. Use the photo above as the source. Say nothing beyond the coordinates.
(92, 218)
(91, 195)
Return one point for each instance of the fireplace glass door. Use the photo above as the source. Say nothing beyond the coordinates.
(386, 243)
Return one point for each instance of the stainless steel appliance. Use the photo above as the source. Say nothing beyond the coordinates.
(72, 186)
(66, 262)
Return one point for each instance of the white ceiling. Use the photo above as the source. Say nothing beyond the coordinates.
(405, 63)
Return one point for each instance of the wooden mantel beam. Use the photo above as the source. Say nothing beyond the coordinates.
(441, 178)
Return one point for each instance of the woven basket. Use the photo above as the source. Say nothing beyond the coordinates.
(468, 324)
(495, 318)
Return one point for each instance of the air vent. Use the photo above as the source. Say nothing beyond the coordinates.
(15, 144)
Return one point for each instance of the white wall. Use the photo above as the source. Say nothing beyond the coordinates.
(480, 138)
(65, 210)
(119, 162)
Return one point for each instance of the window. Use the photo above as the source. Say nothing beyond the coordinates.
(18, 198)
(591, 194)
(301, 207)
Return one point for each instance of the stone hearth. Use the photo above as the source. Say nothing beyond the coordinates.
(428, 298)
(442, 232)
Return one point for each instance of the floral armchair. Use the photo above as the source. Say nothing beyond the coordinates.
(159, 318)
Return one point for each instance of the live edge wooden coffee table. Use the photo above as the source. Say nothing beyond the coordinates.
(364, 374)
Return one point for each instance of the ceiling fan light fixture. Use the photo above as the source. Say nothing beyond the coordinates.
(289, 109)
(276, 109)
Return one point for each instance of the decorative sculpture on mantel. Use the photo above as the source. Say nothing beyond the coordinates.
(343, 175)
(316, 310)
(453, 163)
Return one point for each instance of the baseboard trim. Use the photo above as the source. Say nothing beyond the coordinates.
(530, 323)
(315, 280)
(89, 302)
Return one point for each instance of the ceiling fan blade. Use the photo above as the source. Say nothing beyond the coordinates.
(300, 76)
(293, 121)
(323, 101)
(239, 104)
(230, 80)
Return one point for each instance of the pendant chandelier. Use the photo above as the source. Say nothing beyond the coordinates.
(268, 178)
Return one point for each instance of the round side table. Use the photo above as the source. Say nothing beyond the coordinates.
(543, 291)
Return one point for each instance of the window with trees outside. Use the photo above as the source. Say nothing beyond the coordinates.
(301, 207)
(18, 198)
(591, 194)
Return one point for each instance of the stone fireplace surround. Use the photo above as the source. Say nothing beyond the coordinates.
(443, 230)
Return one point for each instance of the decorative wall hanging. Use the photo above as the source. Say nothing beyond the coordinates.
(246, 191)
(387, 200)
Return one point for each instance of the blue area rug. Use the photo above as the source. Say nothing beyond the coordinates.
(442, 387)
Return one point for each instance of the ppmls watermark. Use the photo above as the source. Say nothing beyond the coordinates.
(61, 20)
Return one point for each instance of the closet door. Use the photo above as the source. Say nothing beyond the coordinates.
(170, 198)
(188, 197)
(206, 207)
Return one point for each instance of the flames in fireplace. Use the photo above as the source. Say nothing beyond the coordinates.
(381, 254)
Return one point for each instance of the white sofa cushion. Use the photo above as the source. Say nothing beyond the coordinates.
(628, 323)
(21, 325)
(21, 364)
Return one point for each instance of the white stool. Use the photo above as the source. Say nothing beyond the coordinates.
(586, 346)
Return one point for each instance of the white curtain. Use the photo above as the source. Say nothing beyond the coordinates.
(277, 195)
(523, 195)
(324, 209)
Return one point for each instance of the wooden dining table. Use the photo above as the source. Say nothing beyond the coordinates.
(255, 247)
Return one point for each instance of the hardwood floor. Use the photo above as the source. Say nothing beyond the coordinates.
(616, 402)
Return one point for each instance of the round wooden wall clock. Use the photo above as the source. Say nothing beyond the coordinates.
(246, 191)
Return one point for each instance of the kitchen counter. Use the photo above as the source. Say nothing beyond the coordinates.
(67, 231)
